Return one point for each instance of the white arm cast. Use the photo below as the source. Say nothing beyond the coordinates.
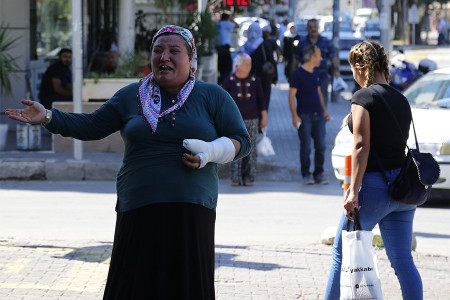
(220, 151)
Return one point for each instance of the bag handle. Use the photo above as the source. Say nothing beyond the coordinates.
(356, 222)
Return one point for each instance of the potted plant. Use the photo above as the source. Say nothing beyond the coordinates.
(8, 66)
(203, 29)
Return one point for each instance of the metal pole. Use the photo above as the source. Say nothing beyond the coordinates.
(336, 15)
(126, 27)
(385, 24)
(77, 69)
(405, 23)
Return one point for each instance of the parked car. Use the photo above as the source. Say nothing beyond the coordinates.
(300, 28)
(244, 24)
(429, 98)
(362, 15)
(372, 30)
(345, 30)
(346, 42)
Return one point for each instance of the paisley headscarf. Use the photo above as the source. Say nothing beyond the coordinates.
(239, 59)
(255, 38)
(149, 91)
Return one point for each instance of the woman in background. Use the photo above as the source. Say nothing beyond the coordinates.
(246, 90)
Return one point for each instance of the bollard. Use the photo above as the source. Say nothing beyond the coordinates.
(347, 172)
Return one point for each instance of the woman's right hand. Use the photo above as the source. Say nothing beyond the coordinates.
(33, 114)
(350, 203)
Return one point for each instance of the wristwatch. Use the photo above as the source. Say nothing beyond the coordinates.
(48, 117)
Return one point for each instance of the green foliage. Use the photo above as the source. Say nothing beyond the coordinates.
(130, 67)
(8, 63)
(203, 29)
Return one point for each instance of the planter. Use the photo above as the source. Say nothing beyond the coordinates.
(104, 88)
(209, 68)
(3, 136)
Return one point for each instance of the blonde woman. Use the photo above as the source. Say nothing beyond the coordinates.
(377, 140)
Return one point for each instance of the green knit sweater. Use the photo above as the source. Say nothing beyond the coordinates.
(152, 169)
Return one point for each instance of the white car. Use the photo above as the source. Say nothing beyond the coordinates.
(244, 24)
(429, 98)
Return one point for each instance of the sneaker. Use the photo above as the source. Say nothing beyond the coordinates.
(308, 180)
(320, 179)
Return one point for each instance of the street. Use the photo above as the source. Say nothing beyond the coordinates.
(56, 238)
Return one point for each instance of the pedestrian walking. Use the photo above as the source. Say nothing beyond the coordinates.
(176, 130)
(442, 30)
(224, 27)
(309, 115)
(260, 51)
(377, 142)
(290, 42)
(327, 51)
(247, 92)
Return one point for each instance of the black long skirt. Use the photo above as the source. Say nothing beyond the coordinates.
(163, 251)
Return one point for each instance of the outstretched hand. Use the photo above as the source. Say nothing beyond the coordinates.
(33, 114)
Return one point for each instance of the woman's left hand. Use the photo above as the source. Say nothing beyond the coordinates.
(191, 161)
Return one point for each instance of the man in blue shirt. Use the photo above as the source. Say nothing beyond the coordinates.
(309, 115)
(327, 51)
(223, 41)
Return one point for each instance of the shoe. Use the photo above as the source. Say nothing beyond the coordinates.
(307, 180)
(235, 183)
(320, 179)
(248, 182)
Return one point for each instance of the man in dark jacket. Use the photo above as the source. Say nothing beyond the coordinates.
(57, 81)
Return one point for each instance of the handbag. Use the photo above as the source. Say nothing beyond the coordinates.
(268, 68)
(417, 175)
(359, 271)
(264, 146)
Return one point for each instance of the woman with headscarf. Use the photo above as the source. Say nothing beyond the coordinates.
(260, 51)
(247, 92)
(290, 42)
(175, 130)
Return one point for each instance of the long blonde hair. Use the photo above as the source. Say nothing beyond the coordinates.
(371, 56)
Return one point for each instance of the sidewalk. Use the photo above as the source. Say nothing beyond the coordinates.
(284, 166)
(77, 270)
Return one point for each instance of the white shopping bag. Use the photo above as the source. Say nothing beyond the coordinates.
(264, 146)
(359, 272)
(339, 84)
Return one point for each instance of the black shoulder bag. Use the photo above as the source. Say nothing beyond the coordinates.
(268, 69)
(419, 172)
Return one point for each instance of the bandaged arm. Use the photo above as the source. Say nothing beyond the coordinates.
(221, 150)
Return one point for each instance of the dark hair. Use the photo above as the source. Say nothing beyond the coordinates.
(64, 50)
(308, 51)
(225, 17)
(312, 21)
(188, 48)
(372, 56)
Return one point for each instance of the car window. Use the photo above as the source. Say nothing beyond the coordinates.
(372, 26)
(428, 90)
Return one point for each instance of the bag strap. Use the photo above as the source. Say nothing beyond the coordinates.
(395, 118)
(264, 51)
(375, 154)
(356, 222)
